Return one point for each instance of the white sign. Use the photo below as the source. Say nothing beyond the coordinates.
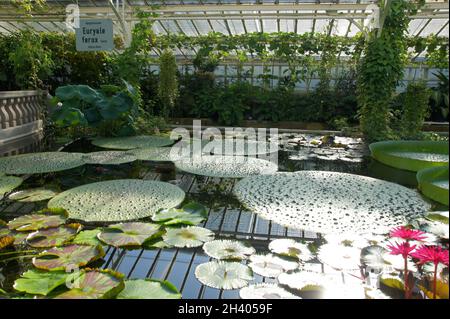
(95, 35)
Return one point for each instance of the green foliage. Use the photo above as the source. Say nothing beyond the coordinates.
(415, 109)
(168, 82)
(439, 98)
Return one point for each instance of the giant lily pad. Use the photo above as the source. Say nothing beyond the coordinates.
(238, 147)
(128, 234)
(228, 249)
(108, 158)
(266, 291)
(118, 200)
(38, 282)
(149, 289)
(226, 166)
(51, 237)
(38, 163)
(62, 258)
(8, 183)
(290, 248)
(156, 154)
(433, 183)
(330, 202)
(190, 236)
(411, 155)
(33, 195)
(270, 265)
(95, 284)
(190, 214)
(223, 275)
(132, 142)
(36, 222)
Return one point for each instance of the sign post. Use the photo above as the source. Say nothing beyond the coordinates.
(95, 35)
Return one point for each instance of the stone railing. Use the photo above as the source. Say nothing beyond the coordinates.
(21, 121)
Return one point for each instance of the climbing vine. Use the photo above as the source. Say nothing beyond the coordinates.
(168, 83)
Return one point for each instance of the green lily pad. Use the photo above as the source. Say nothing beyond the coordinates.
(190, 214)
(60, 258)
(224, 275)
(290, 248)
(149, 289)
(39, 163)
(190, 236)
(132, 142)
(411, 155)
(8, 183)
(88, 237)
(118, 200)
(128, 234)
(51, 237)
(36, 222)
(228, 249)
(438, 216)
(108, 158)
(433, 183)
(33, 195)
(95, 284)
(38, 282)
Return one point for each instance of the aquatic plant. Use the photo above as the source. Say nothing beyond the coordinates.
(108, 158)
(266, 291)
(190, 236)
(149, 289)
(224, 275)
(128, 234)
(190, 214)
(228, 249)
(132, 142)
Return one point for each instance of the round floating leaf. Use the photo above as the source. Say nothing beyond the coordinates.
(354, 240)
(228, 249)
(270, 265)
(8, 183)
(62, 258)
(411, 155)
(149, 289)
(266, 291)
(51, 237)
(38, 163)
(36, 222)
(128, 234)
(190, 236)
(118, 200)
(108, 158)
(132, 142)
(156, 154)
(330, 202)
(190, 214)
(304, 280)
(95, 284)
(340, 257)
(38, 282)
(226, 166)
(88, 237)
(33, 195)
(433, 183)
(238, 147)
(224, 275)
(290, 248)
(373, 257)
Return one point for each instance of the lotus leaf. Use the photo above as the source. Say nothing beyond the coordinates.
(51, 237)
(38, 163)
(8, 183)
(290, 248)
(223, 275)
(118, 200)
(149, 289)
(38, 282)
(190, 236)
(190, 214)
(36, 222)
(88, 237)
(330, 202)
(132, 142)
(228, 249)
(226, 166)
(33, 195)
(266, 291)
(411, 155)
(62, 258)
(95, 284)
(128, 234)
(433, 183)
(108, 158)
(270, 265)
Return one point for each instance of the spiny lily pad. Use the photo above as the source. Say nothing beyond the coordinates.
(36, 222)
(290, 248)
(39, 163)
(95, 284)
(155, 154)
(270, 265)
(8, 183)
(108, 158)
(239, 147)
(190, 214)
(266, 291)
(51, 237)
(224, 275)
(60, 258)
(38, 282)
(118, 200)
(88, 237)
(190, 236)
(149, 289)
(226, 166)
(128, 234)
(132, 142)
(330, 202)
(340, 257)
(228, 249)
(33, 195)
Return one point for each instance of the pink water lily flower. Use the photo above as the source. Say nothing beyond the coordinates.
(434, 254)
(403, 249)
(408, 234)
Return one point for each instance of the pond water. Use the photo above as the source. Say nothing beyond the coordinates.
(226, 216)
